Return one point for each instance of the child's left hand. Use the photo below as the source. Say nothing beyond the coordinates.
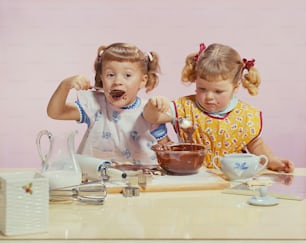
(160, 103)
(281, 165)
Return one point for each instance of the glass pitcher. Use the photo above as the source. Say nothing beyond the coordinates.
(59, 164)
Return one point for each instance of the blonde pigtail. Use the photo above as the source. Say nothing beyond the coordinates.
(251, 81)
(98, 66)
(189, 70)
(153, 71)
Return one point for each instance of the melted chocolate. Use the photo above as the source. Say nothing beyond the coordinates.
(115, 93)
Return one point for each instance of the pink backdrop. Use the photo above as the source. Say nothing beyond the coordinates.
(42, 42)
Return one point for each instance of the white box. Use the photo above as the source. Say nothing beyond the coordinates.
(24, 203)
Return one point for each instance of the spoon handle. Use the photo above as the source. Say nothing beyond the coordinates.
(97, 89)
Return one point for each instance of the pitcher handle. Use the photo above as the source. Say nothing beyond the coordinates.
(214, 164)
(44, 156)
(265, 163)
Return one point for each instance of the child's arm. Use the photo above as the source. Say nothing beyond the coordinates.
(258, 147)
(58, 108)
(157, 110)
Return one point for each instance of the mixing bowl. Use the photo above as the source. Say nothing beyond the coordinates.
(180, 159)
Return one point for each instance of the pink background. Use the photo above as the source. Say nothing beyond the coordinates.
(43, 42)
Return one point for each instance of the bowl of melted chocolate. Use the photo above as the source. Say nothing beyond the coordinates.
(181, 158)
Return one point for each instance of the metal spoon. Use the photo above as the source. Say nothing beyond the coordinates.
(114, 93)
(186, 125)
(97, 89)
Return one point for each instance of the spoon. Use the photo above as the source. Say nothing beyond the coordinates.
(116, 93)
(186, 125)
(97, 89)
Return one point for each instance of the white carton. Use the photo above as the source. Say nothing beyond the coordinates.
(24, 203)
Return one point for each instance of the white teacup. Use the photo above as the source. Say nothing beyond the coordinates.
(237, 166)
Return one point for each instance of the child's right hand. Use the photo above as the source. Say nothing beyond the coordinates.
(79, 82)
(58, 107)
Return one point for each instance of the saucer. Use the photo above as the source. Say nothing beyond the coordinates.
(242, 180)
(263, 201)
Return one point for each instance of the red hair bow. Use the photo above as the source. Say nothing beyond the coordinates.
(247, 64)
(202, 48)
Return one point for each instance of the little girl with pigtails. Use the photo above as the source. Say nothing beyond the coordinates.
(223, 123)
(111, 108)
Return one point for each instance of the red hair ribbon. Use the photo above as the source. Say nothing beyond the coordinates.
(202, 48)
(247, 64)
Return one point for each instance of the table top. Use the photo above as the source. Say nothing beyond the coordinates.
(180, 215)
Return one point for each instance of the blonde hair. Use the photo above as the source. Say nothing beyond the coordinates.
(220, 62)
(123, 52)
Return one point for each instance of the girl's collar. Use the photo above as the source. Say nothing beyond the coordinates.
(220, 114)
(134, 105)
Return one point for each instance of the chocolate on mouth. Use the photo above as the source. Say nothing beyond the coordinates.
(116, 93)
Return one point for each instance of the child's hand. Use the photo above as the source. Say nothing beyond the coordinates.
(157, 110)
(161, 103)
(281, 165)
(79, 82)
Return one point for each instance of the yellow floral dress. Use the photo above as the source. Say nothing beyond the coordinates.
(220, 136)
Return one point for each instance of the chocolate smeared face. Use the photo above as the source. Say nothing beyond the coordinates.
(121, 81)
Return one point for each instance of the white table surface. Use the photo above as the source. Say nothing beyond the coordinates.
(185, 215)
